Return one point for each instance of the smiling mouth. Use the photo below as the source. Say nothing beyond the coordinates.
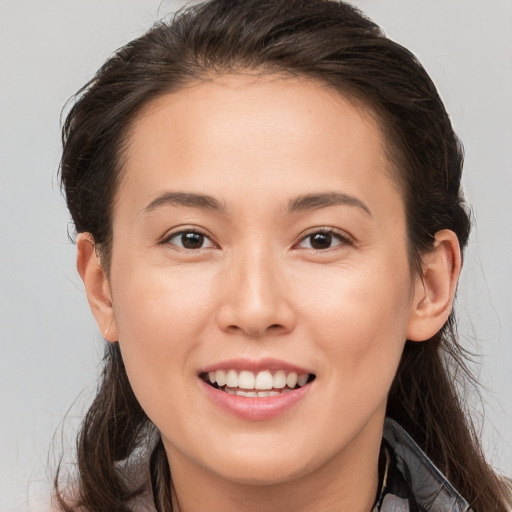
(260, 384)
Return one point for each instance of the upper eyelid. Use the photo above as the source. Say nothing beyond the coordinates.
(184, 229)
(324, 229)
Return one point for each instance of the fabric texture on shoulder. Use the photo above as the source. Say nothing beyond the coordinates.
(430, 489)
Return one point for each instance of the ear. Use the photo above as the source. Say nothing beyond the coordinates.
(96, 285)
(435, 287)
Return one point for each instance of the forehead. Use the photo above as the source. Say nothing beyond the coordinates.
(274, 130)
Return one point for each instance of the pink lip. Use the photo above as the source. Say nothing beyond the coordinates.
(253, 365)
(255, 409)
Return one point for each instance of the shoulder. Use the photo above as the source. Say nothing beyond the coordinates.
(135, 476)
(429, 488)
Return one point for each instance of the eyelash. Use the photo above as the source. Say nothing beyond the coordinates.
(342, 238)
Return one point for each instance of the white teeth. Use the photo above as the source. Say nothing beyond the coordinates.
(291, 380)
(264, 380)
(220, 378)
(246, 380)
(232, 379)
(302, 379)
(252, 394)
(239, 392)
(279, 380)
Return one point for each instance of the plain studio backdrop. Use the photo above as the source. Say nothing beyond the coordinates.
(50, 346)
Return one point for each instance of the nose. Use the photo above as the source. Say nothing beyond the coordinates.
(255, 298)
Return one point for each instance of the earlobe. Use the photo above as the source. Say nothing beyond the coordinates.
(96, 285)
(435, 287)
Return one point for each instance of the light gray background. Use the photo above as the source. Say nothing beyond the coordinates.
(49, 344)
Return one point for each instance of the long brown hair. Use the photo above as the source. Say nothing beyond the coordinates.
(327, 41)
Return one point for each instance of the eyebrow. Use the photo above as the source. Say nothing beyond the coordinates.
(192, 200)
(323, 200)
(301, 203)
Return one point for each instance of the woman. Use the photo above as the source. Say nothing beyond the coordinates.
(270, 233)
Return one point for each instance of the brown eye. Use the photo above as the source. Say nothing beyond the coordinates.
(190, 240)
(322, 240)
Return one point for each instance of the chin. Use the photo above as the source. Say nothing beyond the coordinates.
(263, 476)
(266, 468)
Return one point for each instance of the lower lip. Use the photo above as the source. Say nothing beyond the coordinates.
(255, 409)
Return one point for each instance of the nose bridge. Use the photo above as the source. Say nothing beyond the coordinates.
(258, 269)
(255, 297)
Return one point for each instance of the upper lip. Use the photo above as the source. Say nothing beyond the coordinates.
(255, 365)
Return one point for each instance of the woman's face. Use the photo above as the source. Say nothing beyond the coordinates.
(259, 239)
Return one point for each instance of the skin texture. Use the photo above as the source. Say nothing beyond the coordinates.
(257, 288)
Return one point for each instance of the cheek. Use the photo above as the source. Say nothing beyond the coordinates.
(359, 318)
(161, 305)
(358, 326)
(161, 317)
